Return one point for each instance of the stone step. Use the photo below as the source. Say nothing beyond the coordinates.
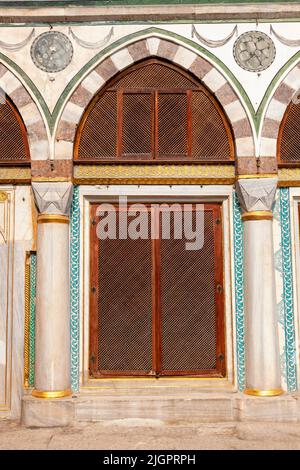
(164, 407)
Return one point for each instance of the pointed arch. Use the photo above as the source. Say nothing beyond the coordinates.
(277, 107)
(154, 110)
(14, 147)
(30, 115)
(161, 48)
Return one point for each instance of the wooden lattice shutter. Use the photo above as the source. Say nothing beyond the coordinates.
(190, 317)
(14, 148)
(288, 146)
(154, 111)
(157, 308)
(121, 297)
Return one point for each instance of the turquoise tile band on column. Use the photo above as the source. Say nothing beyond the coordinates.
(75, 287)
(238, 245)
(288, 299)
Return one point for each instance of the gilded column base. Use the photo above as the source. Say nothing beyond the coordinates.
(51, 394)
(264, 393)
(257, 215)
(54, 218)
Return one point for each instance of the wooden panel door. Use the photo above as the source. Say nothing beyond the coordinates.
(157, 309)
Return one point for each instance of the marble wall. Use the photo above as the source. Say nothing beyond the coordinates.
(16, 238)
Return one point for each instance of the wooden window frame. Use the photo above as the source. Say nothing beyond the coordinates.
(283, 163)
(153, 159)
(157, 371)
(27, 161)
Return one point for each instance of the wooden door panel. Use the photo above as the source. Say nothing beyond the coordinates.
(123, 334)
(189, 281)
(157, 308)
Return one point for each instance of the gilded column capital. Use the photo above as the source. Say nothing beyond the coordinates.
(256, 195)
(53, 198)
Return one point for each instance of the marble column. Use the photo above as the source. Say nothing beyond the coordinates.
(256, 196)
(52, 350)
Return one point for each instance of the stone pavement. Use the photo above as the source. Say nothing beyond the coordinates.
(152, 434)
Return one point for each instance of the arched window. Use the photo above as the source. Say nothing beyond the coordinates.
(154, 111)
(288, 144)
(14, 148)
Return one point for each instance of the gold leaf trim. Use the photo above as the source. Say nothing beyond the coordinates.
(289, 176)
(9, 175)
(264, 393)
(154, 174)
(51, 394)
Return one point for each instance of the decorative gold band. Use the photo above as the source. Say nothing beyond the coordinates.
(52, 394)
(259, 175)
(58, 179)
(54, 218)
(257, 215)
(264, 393)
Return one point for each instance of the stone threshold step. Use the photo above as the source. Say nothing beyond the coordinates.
(203, 408)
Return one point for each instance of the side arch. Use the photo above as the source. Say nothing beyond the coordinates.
(276, 109)
(161, 48)
(23, 102)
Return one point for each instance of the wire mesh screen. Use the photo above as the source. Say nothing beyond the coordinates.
(136, 135)
(125, 304)
(288, 142)
(172, 125)
(156, 76)
(154, 111)
(188, 310)
(99, 139)
(209, 139)
(13, 139)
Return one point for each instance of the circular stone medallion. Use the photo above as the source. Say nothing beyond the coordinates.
(254, 51)
(51, 51)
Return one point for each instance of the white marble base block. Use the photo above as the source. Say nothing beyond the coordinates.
(182, 406)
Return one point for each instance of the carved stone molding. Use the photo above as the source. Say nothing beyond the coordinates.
(53, 198)
(256, 194)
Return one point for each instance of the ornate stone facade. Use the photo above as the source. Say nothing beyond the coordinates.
(52, 71)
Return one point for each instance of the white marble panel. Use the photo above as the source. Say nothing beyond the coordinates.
(6, 306)
(24, 201)
(15, 214)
